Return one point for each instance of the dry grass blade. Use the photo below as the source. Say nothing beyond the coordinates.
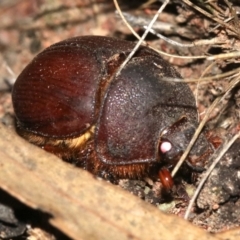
(219, 154)
(216, 19)
(194, 44)
(195, 136)
(125, 20)
(143, 37)
(224, 55)
(201, 42)
(202, 124)
(177, 56)
(199, 83)
(205, 79)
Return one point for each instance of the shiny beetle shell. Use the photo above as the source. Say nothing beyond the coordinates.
(69, 99)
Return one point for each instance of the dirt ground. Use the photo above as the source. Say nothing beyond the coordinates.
(203, 29)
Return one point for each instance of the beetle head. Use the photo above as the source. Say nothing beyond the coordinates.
(175, 139)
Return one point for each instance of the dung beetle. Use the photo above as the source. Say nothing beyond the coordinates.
(69, 101)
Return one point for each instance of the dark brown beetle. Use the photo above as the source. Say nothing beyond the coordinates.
(69, 101)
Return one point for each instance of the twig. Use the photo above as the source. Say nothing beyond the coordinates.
(194, 44)
(125, 20)
(123, 17)
(141, 21)
(195, 136)
(219, 154)
(202, 123)
(210, 16)
(199, 83)
(203, 80)
(143, 37)
(224, 55)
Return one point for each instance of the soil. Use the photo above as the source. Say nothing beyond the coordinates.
(27, 27)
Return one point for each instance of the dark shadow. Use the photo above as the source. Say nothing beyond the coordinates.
(26, 215)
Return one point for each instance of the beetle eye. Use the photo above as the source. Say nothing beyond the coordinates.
(165, 147)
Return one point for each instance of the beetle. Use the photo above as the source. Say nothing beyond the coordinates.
(69, 101)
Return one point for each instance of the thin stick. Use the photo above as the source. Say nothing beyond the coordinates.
(195, 136)
(144, 43)
(143, 37)
(224, 55)
(202, 123)
(210, 16)
(177, 56)
(199, 83)
(193, 44)
(202, 80)
(125, 20)
(206, 175)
